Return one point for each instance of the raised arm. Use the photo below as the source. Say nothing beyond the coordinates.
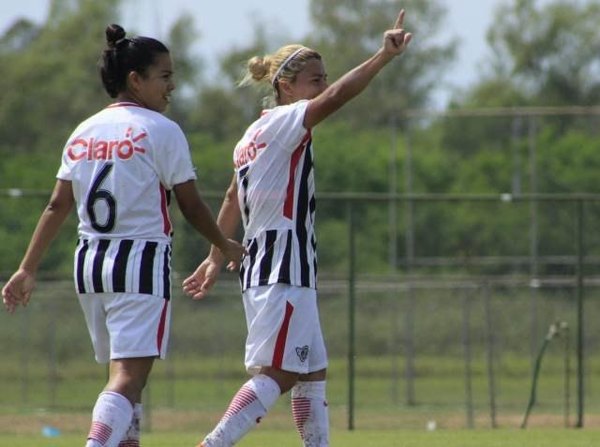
(354, 82)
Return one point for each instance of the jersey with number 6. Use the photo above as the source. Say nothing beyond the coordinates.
(123, 162)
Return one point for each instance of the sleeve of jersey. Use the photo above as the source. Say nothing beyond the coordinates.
(287, 125)
(174, 160)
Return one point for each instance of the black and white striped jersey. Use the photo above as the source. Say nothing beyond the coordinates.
(122, 164)
(276, 195)
(123, 266)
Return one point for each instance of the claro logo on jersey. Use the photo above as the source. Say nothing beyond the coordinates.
(98, 149)
(244, 154)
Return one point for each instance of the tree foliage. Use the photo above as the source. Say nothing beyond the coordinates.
(50, 80)
(542, 55)
(346, 33)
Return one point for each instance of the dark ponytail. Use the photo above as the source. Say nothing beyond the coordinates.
(123, 55)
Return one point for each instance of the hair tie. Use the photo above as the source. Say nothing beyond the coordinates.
(285, 62)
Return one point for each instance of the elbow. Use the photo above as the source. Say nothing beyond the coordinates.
(58, 207)
(231, 195)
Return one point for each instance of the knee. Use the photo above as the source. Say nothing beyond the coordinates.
(128, 379)
(127, 386)
(316, 376)
(285, 379)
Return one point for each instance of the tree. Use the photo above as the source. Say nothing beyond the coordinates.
(50, 80)
(542, 55)
(221, 109)
(188, 69)
(546, 54)
(346, 33)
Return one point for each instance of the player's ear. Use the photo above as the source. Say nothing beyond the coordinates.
(285, 88)
(133, 80)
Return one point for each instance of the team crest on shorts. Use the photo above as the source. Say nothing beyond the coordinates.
(302, 353)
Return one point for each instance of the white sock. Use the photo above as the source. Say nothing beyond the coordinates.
(132, 436)
(311, 415)
(250, 404)
(110, 419)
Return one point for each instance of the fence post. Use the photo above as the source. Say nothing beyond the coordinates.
(466, 338)
(24, 350)
(52, 358)
(580, 316)
(351, 313)
(533, 235)
(410, 255)
(490, 353)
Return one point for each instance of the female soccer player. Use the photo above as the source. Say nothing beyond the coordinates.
(272, 192)
(119, 167)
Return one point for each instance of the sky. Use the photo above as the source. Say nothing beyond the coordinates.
(224, 24)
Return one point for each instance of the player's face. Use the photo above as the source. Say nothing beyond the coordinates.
(310, 82)
(154, 89)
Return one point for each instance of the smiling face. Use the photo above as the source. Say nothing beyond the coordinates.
(153, 88)
(308, 83)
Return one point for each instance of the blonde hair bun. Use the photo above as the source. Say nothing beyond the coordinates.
(259, 67)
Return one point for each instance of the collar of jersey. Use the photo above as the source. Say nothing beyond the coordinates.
(123, 104)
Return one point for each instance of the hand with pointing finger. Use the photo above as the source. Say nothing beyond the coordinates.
(396, 39)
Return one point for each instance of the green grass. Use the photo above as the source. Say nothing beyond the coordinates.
(362, 438)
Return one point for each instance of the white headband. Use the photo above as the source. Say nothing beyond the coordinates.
(285, 62)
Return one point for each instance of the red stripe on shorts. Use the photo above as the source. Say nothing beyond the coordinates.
(161, 327)
(282, 336)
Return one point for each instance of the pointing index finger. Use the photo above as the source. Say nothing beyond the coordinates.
(399, 20)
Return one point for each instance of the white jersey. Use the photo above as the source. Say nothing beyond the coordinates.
(123, 163)
(275, 179)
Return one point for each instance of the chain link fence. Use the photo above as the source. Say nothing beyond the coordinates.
(432, 339)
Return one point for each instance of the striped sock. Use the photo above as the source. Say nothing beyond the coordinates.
(311, 414)
(132, 437)
(110, 419)
(250, 404)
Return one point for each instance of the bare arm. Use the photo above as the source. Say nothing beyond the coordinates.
(199, 283)
(229, 217)
(355, 81)
(20, 286)
(198, 214)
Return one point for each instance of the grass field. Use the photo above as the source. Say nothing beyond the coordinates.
(361, 438)
(48, 377)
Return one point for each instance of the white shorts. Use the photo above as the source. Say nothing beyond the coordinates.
(126, 325)
(283, 329)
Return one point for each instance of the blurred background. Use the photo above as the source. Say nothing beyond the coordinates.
(457, 207)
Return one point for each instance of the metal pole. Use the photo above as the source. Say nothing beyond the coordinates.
(351, 314)
(147, 402)
(533, 236)
(52, 362)
(490, 353)
(580, 319)
(393, 255)
(24, 357)
(567, 361)
(410, 255)
(393, 189)
(466, 335)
